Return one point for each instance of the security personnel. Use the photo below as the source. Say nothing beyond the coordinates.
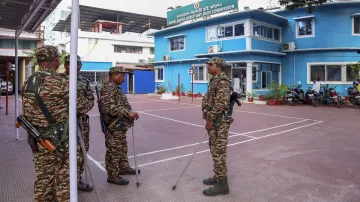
(45, 105)
(88, 99)
(119, 118)
(214, 106)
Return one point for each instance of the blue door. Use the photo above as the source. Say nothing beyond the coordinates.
(124, 86)
(144, 82)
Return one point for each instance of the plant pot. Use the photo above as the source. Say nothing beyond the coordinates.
(272, 102)
(199, 95)
(182, 94)
(278, 102)
(326, 101)
(159, 93)
(347, 98)
(261, 98)
(250, 99)
(173, 93)
(310, 102)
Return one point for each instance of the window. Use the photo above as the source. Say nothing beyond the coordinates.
(177, 43)
(265, 79)
(152, 50)
(159, 74)
(356, 23)
(305, 28)
(199, 73)
(267, 32)
(128, 49)
(225, 31)
(335, 73)
(23, 44)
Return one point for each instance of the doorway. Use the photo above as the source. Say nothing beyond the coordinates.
(131, 83)
(239, 70)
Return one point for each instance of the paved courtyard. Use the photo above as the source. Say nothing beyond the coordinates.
(275, 153)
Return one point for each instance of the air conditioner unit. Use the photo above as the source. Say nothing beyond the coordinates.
(166, 58)
(288, 46)
(142, 61)
(214, 49)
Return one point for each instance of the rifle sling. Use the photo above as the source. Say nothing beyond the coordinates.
(44, 110)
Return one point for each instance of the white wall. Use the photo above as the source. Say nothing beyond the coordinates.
(104, 49)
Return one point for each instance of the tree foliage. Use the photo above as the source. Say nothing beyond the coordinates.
(310, 4)
(355, 70)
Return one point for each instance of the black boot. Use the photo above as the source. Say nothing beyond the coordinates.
(128, 171)
(220, 188)
(210, 181)
(118, 180)
(84, 187)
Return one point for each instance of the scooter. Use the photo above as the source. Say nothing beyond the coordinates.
(295, 95)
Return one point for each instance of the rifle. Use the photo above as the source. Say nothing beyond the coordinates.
(102, 120)
(46, 144)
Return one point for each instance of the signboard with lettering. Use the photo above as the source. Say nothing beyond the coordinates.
(202, 9)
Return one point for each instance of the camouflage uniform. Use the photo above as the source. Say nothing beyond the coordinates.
(52, 175)
(116, 108)
(214, 107)
(87, 100)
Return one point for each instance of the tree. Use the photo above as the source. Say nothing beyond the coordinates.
(355, 70)
(294, 4)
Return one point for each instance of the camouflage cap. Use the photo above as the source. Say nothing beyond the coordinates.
(46, 53)
(219, 62)
(118, 70)
(67, 58)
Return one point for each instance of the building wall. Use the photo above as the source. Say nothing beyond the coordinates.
(103, 50)
(302, 60)
(333, 27)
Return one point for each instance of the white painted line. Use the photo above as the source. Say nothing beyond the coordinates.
(229, 145)
(202, 126)
(230, 136)
(181, 103)
(96, 163)
(154, 110)
(289, 117)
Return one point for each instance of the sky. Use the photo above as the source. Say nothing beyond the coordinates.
(158, 7)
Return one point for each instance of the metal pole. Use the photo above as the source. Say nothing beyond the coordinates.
(7, 87)
(179, 86)
(16, 82)
(72, 100)
(192, 84)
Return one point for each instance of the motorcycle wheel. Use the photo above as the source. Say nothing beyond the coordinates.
(358, 102)
(291, 102)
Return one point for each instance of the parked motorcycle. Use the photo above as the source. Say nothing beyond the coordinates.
(314, 97)
(295, 95)
(354, 96)
(334, 97)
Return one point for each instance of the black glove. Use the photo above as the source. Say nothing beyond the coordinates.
(33, 144)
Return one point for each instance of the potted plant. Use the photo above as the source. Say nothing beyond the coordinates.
(182, 89)
(177, 90)
(188, 92)
(250, 97)
(160, 89)
(277, 92)
(261, 98)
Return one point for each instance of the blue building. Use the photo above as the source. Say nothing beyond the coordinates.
(288, 47)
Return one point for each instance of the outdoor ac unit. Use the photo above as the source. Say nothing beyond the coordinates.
(142, 61)
(214, 49)
(289, 46)
(166, 58)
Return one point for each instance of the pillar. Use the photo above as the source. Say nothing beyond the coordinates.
(100, 27)
(249, 66)
(248, 34)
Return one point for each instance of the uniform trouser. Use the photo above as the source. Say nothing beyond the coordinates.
(86, 137)
(116, 153)
(218, 139)
(52, 177)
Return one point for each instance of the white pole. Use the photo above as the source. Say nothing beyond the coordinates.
(16, 81)
(72, 100)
